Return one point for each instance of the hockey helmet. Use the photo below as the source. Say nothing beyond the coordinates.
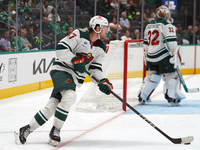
(98, 20)
(163, 12)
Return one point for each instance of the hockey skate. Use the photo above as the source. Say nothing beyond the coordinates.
(22, 134)
(172, 102)
(54, 136)
(142, 101)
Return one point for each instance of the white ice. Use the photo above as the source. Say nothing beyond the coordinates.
(100, 131)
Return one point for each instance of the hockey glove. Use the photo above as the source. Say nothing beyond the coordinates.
(79, 63)
(105, 86)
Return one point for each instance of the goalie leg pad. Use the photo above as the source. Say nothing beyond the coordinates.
(151, 81)
(172, 88)
(68, 99)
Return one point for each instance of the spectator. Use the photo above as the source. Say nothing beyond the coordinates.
(179, 36)
(30, 33)
(59, 5)
(53, 12)
(137, 4)
(4, 42)
(189, 34)
(114, 4)
(114, 13)
(69, 23)
(136, 35)
(124, 22)
(11, 39)
(69, 30)
(33, 3)
(126, 36)
(137, 16)
(105, 7)
(148, 16)
(56, 28)
(197, 32)
(12, 21)
(132, 7)
(24, 40)
(23, 10)
(27, 17)
(113, 25)
(113, 36)
(47, 8)
(18, 42)
(5, 14)
(106, 39)
(36, 42)
(129, 12)
(69, 6)
(46, 27)
(180, 29)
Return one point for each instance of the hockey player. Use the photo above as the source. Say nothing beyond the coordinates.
(80, 50)
(158, 53)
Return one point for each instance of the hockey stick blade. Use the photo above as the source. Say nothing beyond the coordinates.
(185, 140)
(193, 90)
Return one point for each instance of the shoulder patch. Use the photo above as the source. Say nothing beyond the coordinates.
(99, 43)
(84, 34)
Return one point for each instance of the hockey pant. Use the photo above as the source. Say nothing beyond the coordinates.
(172, 86)
(151, 81)
(54, 107)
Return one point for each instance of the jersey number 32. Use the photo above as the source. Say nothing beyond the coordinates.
(152, 37)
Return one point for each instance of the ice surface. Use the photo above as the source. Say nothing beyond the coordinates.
(105, 131)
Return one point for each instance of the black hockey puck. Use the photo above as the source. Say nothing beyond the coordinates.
(187, 143)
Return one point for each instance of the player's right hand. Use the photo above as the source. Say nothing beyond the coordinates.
(105, 86)
(79, 63)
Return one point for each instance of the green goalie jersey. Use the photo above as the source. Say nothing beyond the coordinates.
(154, 44)
(78, 43)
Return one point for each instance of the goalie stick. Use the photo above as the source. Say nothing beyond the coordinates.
(184, 140)
(192, 90)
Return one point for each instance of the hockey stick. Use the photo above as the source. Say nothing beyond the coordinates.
(184, 140)
(192, 90)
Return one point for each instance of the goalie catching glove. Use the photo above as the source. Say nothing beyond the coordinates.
(79, 63)
(105, 86)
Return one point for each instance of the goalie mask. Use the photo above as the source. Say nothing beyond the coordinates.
(98, 20)
(163, 12)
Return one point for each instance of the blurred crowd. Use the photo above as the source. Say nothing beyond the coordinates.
(60, 22)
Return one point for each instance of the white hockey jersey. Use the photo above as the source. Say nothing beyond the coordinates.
(77, 43)
(154, 44)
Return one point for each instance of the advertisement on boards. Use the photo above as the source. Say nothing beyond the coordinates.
(25, 68)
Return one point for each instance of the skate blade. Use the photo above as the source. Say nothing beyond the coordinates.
(53, 142)
(173, 104)
(17, 140)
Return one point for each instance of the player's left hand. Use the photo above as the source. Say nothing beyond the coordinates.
(105, 86)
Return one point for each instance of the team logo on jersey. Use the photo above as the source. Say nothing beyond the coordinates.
(87, 57)
(68, 81)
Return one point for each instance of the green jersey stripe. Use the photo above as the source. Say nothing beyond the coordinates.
(158, 54)
(60, 115)
(64, 45)
(62, 110)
